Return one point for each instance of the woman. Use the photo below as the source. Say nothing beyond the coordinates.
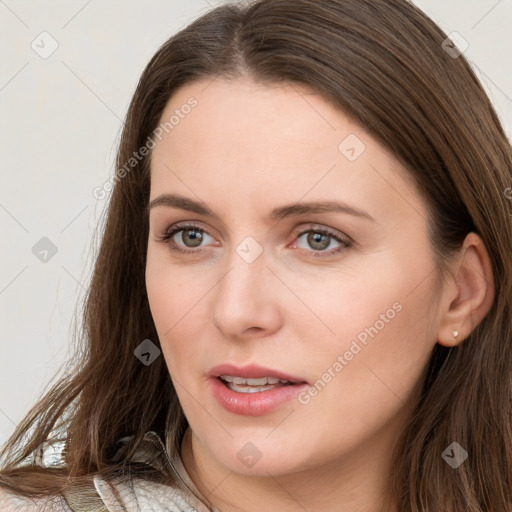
(302, 299)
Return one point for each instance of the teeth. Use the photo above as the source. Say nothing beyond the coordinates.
(253, 382)
(250, 389)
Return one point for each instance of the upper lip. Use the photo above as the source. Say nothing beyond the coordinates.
(252, 372)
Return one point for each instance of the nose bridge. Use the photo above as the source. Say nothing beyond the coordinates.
(243, 297)
(246, 270)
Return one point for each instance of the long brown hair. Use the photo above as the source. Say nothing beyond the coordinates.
(382, 62)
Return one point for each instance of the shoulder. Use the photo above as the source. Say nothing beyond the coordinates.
(127, 492)
(135, 495)
(10, 502)
(139, 494)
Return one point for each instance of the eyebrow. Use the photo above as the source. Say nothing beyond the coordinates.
(184, 203)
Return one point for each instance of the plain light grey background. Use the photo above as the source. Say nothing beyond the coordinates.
(68, 71)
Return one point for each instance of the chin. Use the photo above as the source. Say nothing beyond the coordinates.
(262, 457)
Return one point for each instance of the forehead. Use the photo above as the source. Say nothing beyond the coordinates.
(258, 139)
(243, 113)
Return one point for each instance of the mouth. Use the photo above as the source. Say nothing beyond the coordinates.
(242, 385)
(253, 390)
(253, 376)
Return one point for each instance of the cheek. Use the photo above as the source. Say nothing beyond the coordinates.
(368, 380)
(376, 318)
(160, 292)
(178, 309)
(170, 294)
(383, 344)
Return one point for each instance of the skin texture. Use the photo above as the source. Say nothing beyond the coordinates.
(248, 148)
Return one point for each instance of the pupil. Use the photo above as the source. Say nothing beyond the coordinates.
(195, 237)
(318, 238)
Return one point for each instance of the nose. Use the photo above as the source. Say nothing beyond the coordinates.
(246, 300)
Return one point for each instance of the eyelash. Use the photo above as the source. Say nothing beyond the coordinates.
(166, 239)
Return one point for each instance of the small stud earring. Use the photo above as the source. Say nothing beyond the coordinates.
(455, 333)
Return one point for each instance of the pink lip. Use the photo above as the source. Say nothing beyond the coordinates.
(252, 372)
(253, 404)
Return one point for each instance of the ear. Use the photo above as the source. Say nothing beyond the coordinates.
(469, 292)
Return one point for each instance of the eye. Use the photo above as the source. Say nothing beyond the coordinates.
(189, 238)
(190, 235)
(322, 241)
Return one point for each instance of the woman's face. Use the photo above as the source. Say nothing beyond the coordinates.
(301, 253)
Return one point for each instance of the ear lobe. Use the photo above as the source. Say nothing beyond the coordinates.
(471, 290)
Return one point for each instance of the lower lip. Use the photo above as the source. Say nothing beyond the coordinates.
(254, 404)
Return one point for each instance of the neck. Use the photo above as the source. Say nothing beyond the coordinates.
(355, 482)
